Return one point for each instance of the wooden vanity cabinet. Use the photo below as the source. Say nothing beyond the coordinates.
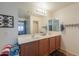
(57, 42)
(29, 49)
(51, 44)
(43, 47)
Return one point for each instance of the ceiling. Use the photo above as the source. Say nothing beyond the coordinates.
(48, 6)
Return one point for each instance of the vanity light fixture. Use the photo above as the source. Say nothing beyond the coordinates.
(40, 11)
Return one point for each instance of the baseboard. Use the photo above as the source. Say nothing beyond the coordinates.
(67, 53)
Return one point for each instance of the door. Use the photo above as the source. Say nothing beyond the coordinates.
(35, 27)
(58, 42)
(29, 49)
(52, 44)
(43, 47)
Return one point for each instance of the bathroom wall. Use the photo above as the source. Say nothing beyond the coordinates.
(8, 35)
(70, 37)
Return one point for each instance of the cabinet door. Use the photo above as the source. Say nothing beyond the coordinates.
(22, 50)
(43, 47)
(58, 41)
(52, 44)
(29, 49)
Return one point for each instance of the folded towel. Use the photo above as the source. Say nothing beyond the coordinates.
(8, 46)
(5, 52)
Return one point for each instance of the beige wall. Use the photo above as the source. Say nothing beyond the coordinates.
(8, 35)
(69, 15)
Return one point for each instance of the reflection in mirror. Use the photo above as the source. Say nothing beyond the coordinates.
(35, 27)
(22, 27)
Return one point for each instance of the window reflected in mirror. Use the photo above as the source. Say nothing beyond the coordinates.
(22, 27)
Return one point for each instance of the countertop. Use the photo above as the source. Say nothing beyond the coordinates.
(34, 37)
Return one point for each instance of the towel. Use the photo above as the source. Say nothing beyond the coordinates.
(6, 50)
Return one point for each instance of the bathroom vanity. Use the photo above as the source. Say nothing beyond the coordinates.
(40, 46)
